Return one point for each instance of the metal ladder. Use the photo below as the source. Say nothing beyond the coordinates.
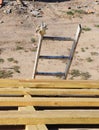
(69, 58)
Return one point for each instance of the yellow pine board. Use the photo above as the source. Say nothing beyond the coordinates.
(49, 92)
(28, 108)
(42, 101)
(11, 91)
(49, 117)
(31, 127)
(31, 108)
(36, 127)
(49, 84)
(63, 92)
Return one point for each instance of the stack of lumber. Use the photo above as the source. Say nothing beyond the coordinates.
(48, 102)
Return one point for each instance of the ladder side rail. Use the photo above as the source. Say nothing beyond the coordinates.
(37, 56)
(72, 50)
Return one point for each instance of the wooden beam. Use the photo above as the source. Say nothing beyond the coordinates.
(48, 92)
(28, 108)
(59, 102)
(31, 127)
(31, 108)
(12, 91)
(36, 127)
(48, 83)
(63, 92)
(49, 117)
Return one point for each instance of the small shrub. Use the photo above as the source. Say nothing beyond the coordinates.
(70, 13)
(74, 11)
(89, 59)
(82, 49)
(33, 40)
(86, 29)
(75, 73)
(16, 69)
(79, 11)
(1, 60)
(19, 48)
(97, 25)
(10, 59)
(94, 53)
(85, 75)
(6, 74)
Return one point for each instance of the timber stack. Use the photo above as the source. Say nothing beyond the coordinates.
(44, 104)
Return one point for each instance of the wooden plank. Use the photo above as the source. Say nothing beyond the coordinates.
(58, 102)
(49, 117)
(12, 91)
(72, 51)
(31, 127)
(58, 38)
(54, 57)
(60, 84)
(31, 108)
(48, 83)
(48, 92)
(63, 92)
(36, 127)
(28, 108)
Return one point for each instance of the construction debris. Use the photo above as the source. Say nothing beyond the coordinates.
(36, 13)
(8, 11)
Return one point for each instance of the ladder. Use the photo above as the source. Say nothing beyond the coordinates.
(69, 58)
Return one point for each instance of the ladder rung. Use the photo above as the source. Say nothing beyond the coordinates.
(51, 73)
(54, 57)
(58, 38)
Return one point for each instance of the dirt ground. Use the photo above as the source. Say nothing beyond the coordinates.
(18, 40)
